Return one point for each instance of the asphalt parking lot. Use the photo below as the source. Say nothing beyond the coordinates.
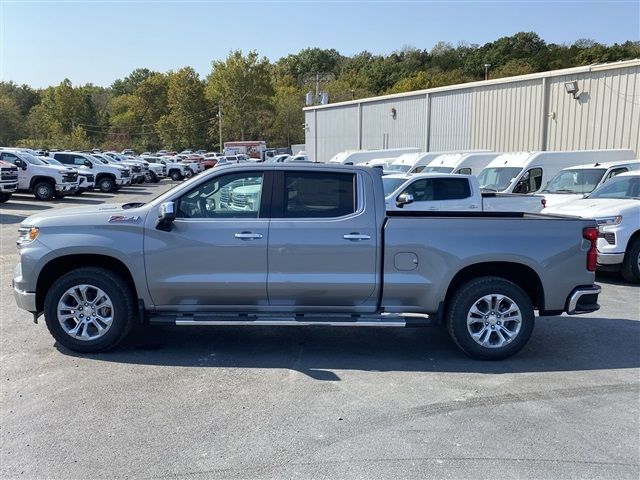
(234, 402)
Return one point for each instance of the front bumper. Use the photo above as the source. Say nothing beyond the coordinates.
(66, 188)
(583, 300)
(25, 300)
(610, 258)
(9, 187)
(123, 181)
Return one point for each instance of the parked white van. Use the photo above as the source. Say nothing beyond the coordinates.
(573, 182)
(464, 163)
(416, 162)
(530, 172)
(357, 157)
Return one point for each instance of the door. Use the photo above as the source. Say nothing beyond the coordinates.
(454, 195)
(322, 243)
(424, 199)
(215, 254)
(23, 172)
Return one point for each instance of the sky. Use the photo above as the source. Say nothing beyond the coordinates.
(44, 42)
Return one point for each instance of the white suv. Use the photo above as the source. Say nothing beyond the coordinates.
(44, 181)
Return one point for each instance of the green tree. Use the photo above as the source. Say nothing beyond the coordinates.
(128, 84)
(10, 121)
(288, 117)
(185, 123)
(242, 85)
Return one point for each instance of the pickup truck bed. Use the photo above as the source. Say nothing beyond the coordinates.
(312, 245)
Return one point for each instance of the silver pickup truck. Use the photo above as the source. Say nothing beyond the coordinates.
(314, 247)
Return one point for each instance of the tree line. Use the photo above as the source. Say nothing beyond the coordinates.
(259, 99)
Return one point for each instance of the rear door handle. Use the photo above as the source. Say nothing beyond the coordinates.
(248, 236)
(356, 236)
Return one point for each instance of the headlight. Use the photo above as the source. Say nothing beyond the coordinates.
(609, 221)
(27, 235)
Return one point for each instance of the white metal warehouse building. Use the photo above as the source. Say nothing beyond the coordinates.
(528, 112)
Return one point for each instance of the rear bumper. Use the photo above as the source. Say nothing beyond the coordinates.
(583, 300)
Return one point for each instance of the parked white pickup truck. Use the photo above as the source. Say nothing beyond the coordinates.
(615, 206)
(451, 192)
(8, 180)
(574, 182)
(45, 181)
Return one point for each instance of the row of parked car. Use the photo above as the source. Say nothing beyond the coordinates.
(598, 184)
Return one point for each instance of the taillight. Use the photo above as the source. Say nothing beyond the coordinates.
(591, 234)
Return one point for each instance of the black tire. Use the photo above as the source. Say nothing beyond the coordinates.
(631, 264)
(4, 197)
(156, 179)
(150, 177)
(175, 175)
(140, 180)
(44, 190)
(120, 294)
(467, 297)
(106, 184)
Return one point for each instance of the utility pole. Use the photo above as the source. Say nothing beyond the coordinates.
(220, 125)
(317, 85)
(486, 71)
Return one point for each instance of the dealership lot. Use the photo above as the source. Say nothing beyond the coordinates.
(235, 402)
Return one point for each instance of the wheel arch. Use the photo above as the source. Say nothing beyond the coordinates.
(59, 266)
(41, 178)
(522, 275)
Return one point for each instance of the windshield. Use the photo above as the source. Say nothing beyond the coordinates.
(398, 168)
(101, 159)
(622, 188)
(391, 184)
(575, 181)
(437, 170)
(497, 179)
(31, 159)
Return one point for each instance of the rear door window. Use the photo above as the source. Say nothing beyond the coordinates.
(319, 194)
(451, 188)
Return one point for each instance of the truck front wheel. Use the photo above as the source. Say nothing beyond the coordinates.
(106, 185)
(175, 175)
(89, 310)
(44, 191)
(490, 318)
(631, 264)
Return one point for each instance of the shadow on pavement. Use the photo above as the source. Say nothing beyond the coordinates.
(8, 219)
(14, 205)
(557, 344)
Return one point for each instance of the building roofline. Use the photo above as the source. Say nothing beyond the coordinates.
(597, 67)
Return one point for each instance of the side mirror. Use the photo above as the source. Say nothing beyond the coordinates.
(166, 216)
(87, 163)
(21, 164)
(404, 199)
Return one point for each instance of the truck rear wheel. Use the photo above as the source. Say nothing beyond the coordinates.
(490, 318)
(631, 264)
(89, 310)
(4, 197)
(106, 184)
(44, 190)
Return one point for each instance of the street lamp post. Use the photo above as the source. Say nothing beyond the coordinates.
(486, 71)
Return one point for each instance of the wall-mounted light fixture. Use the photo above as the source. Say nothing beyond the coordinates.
(393, 113)
(572, 89)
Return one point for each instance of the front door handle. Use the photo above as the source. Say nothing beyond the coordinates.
(356, 236)
(248, 236)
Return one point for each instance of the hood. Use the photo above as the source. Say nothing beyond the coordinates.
(554, 199)
(593, 208)
(93, 215)
(60, 168)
